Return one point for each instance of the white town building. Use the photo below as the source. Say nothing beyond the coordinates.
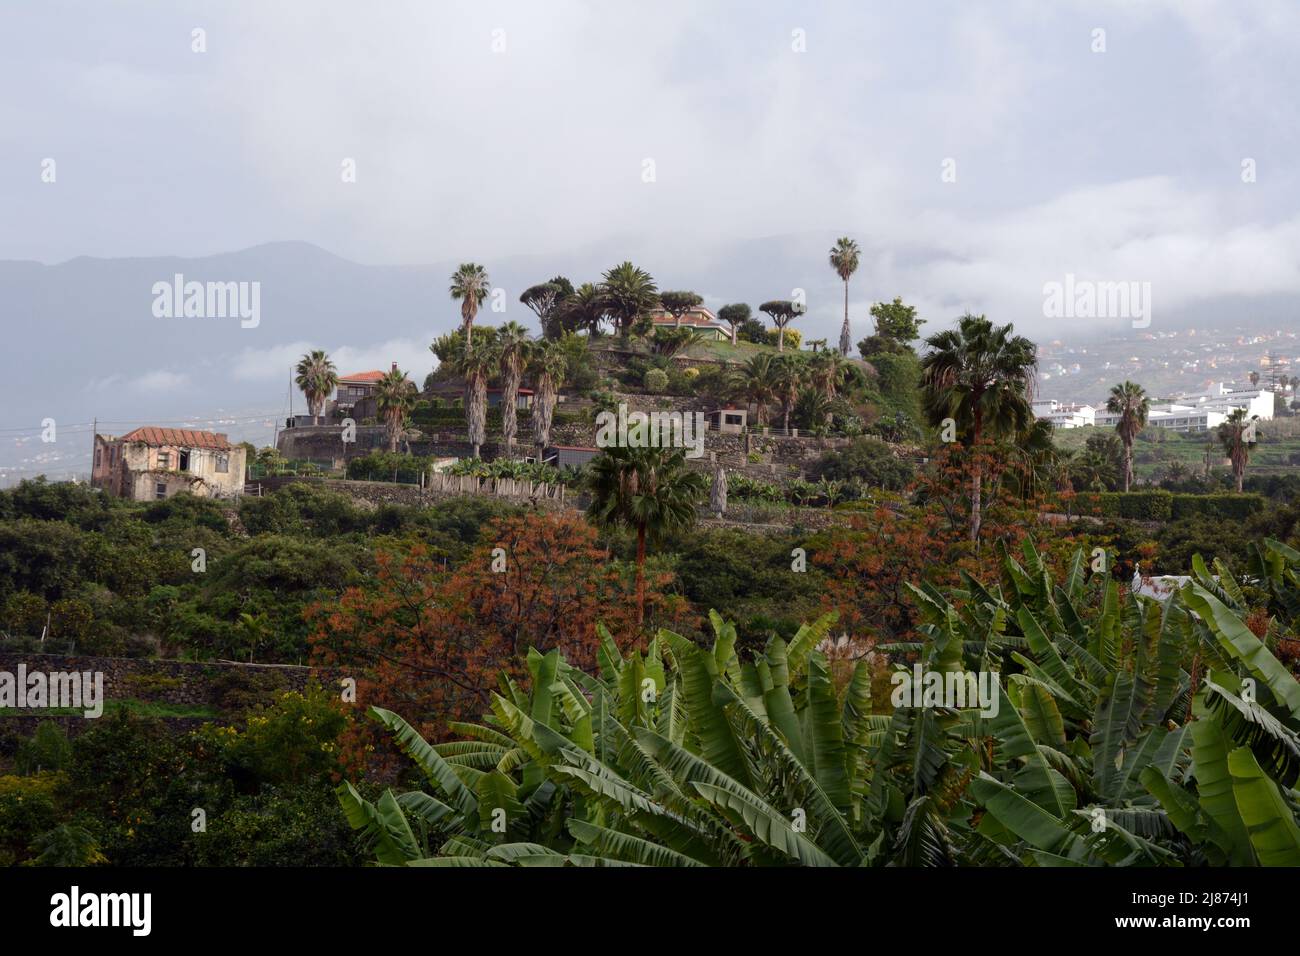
(1064, 414)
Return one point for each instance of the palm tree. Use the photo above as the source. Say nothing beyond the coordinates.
(475, 364)
(648, 489)
(395, 397)
(585, 310)
(735, 315)
(1237, 436)
(1036, 459)
(628, 293)
(469, 287)
(790, 376)
(1092, 471)
(782, 313)
(979, 375)
(844, 260)
(1254, 379)
(513, 347)
(757, 380)
(1131, 404)
(548, 365)
(316, 379)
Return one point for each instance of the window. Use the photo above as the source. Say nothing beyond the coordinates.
(223, 464)
(164, 459)
(98, 456)
(185, 460)
(160, 490)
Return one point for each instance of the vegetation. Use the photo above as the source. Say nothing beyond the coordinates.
(316, 378)
(1104, 747)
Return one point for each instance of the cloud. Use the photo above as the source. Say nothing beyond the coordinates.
(268, 365)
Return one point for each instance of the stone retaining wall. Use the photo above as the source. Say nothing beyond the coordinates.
(183, 683)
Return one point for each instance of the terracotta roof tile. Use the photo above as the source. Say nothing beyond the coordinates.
(373, 375)
(180, 437)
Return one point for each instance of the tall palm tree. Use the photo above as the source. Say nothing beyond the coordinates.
(980, 375)
(395, 397)
(316, 379)
(844, 260)
(513, 347)
(650, 490)
(1131, 404)
(757, 381)
(548, 365)
(469, 287)
(475, 364)
(628, 294)
(1237, 436)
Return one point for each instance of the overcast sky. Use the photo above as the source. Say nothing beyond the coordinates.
(493, 131)
(1128, 159)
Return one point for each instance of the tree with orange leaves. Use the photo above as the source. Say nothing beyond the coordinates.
(431, 641)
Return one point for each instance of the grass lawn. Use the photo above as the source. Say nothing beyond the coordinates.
(702, 350)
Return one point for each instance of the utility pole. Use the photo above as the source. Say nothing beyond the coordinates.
(94, 442)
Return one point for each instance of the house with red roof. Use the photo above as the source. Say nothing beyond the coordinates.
(152, 463)
(353, 388)
(700, 320)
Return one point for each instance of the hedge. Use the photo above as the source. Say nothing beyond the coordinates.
(1160, 505)
(1222, 505)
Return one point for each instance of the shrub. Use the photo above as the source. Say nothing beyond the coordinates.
(655, 380)
(1226, 505)
(1160, 505)
(793, 338)
(867, 459)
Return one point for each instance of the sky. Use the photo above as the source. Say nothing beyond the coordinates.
(975, 150)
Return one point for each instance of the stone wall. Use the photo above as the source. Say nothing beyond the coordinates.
(376, 493)
(323, 444)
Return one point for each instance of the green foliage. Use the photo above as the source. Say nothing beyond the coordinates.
(47, 750)
(655, 381)
(869, 461)
(1161, 505)
(1099, 753)
(388, 466)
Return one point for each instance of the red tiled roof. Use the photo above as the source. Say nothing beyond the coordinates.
(372, 376)
(180, 437)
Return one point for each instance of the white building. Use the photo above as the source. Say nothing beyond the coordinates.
(1204, 411)
(1065, 415)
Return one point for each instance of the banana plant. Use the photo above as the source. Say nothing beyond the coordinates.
(1100, 751)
